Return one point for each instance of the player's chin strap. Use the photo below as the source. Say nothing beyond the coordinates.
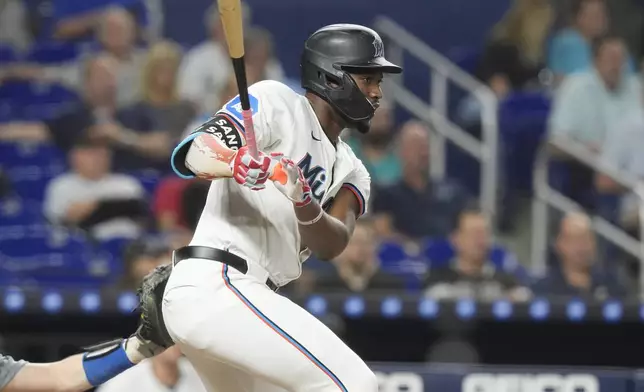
(104, 361)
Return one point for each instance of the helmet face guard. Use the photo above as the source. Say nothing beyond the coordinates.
(330, 55)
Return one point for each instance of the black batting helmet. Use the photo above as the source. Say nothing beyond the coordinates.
(330, 55)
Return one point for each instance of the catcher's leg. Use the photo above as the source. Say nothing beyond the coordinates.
(234, 318)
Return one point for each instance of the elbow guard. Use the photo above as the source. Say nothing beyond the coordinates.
(208, 151)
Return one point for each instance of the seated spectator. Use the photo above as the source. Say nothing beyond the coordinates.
(98, 100)
(471, 274)
(375, 149)
(206, 68)
(417, 206)
(92, 198)
(167, 203)
(97, 116)
(160, 106)
(142, 256)
(358, 268)
(168, 371)
(261, 63)
(571, 49)
(590, 107)
(116, 34)
(623, 151)
(574, 273)
(14, 25)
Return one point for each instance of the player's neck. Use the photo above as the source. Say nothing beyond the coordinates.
(330, 122)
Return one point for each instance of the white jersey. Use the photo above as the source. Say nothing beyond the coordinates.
(261, 226)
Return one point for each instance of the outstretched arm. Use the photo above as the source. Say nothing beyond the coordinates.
(76, 373)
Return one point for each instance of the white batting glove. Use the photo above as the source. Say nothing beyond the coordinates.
(249, 172)
(289, 179)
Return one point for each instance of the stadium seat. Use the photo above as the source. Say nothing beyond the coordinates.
(52, 53)
(7, 54)
(41, 254)
(395, 259)
(439, 252)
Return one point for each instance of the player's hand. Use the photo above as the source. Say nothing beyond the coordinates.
(289, 179)
(250, 172)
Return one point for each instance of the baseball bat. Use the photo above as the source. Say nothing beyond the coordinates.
(230, 12)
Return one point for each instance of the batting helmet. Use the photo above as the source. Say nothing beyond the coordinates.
(330, 55)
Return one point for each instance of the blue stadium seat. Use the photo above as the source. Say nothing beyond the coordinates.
(21, 154)
(395, 259)
(44, 255)
(16, 212)
(439, 252)
(30, 181)
(7, 54)
(52, 53)
(149, 179)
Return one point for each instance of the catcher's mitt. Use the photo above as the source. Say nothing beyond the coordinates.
(151, 326)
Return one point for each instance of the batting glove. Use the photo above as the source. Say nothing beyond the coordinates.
(289, 179)
(250, 172)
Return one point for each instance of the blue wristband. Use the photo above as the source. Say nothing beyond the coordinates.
(102, 365)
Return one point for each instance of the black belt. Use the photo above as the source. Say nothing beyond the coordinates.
(222, 256)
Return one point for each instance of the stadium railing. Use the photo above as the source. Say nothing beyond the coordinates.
(435, 112)
(546, 197)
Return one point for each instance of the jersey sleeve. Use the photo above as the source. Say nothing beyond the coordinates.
(8, 370)
(267, 101)
(359, 183)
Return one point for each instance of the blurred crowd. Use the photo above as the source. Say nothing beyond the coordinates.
(113, 97)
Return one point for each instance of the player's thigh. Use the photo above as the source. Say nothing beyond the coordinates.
(216, 375)
(287, 345)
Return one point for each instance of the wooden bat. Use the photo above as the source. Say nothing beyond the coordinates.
(230, 12)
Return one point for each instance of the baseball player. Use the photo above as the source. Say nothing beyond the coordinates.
(101, 362)
(302, 194)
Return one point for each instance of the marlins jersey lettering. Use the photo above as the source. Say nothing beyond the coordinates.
(8, 370)
(260, 226)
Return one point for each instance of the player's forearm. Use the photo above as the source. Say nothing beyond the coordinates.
(63, 376)
(326, 238)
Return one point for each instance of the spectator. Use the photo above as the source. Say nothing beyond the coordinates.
(141, 257)
(623, 151)
(375, 149)
(358, 268)
(98, 98)
(167, 203)
(515, 52)
(91, 198)
(417, 206)
(574, 272)
(97, 116)
(513, 57)
(590, 105)
(116, 34)
(14, 29)
(261, 63)
(471, 274)
(168, 371)
(571, 49)
(206, 68)
(160, 106)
